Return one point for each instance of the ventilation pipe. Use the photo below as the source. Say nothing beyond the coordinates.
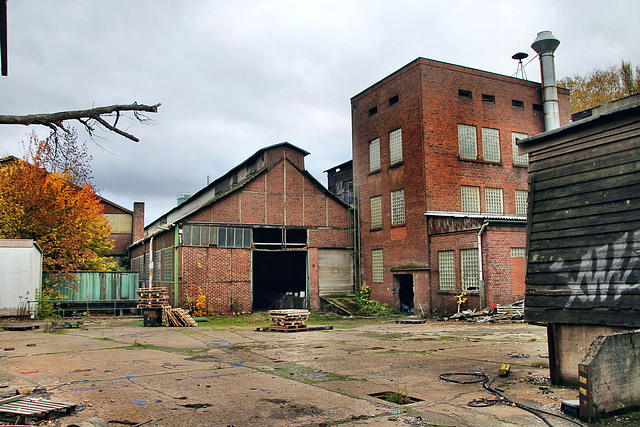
(545, 45)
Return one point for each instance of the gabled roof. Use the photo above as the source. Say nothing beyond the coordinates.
(245, 172)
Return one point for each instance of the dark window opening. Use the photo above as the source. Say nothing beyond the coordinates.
(488, 98)
(373, 110)
(278, 238)
(393, 100)
(464, 93)
(296, 237)
(537, 107)
(268, 236)
(517, 104)
(279, 280)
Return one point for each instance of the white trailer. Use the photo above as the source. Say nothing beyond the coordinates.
(20, 275)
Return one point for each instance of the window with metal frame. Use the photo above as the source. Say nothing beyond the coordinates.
(374, 155)
(467, 142)
(470, 199)
(522, 201)
(469, 269)
(491, 145)
(519, 159)
(397, 207)
(447, 270)
(377, 263)
(395, 146)
(376, 212)
(493, 200)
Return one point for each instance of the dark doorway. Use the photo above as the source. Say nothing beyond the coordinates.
(279, 280)
(404, 284)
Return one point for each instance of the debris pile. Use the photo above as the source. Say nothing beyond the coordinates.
(498, 314)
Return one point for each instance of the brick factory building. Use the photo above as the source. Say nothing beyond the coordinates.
(265, 235)
(442, 190)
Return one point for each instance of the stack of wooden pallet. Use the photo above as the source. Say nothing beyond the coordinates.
(152, 297)
(177, 317)
(288, 320)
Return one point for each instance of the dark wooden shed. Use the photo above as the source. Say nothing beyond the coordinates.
(584, 230)
(583, 235)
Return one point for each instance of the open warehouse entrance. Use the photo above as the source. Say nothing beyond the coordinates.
(279, 280)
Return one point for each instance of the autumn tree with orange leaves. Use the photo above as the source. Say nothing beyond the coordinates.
(600, 86)
(64, 216)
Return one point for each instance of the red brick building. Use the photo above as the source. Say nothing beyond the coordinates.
(442, 190)
(265, 235)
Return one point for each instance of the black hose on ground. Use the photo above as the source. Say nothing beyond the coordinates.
(480, 377)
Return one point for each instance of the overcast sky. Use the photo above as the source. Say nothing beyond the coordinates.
(237, 76)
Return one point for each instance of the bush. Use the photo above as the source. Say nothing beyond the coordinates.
(369, 306)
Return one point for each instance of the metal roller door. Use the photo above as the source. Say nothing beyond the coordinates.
(335, 272)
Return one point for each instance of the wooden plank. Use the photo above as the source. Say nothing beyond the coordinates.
(591, 145)
(627, 223)
(623, 318)
(590, 193)
(617, 155)
(616, 240)
(617, 172)
(572, 213)
(586, 221)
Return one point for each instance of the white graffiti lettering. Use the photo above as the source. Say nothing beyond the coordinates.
(604, 271)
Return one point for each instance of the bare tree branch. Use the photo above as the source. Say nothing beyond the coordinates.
(55, 120)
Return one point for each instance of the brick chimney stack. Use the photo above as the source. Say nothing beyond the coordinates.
(138, 221)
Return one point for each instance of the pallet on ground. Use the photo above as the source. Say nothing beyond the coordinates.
(25, 409)
(177, 317)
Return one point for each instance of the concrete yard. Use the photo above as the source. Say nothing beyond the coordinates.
(222, 375)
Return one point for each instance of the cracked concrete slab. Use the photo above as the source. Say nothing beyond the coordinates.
(235, 375)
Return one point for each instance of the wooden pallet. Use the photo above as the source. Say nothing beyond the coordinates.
(288, 320)
(27, 409)
(177, 317)
(152, 297)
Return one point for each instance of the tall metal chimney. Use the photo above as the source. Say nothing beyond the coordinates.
(545, 45)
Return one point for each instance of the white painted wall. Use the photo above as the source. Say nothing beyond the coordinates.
(20, 274)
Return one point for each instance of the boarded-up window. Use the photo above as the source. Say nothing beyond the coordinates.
(374, 155)
(522, 197)
(469, 269)
(493, 200)
(397, 207)
(376, 212)
(447, 270)
(518, 159)
(377, 263)
(491, 145)
(470, 199)
(395, 146)
(467, 142)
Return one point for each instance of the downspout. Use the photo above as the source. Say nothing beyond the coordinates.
(151, 266)
(176, 243)
(481, 289)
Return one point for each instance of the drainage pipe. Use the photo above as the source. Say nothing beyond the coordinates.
(480, 269)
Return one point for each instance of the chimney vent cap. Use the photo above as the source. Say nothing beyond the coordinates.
(545, 42)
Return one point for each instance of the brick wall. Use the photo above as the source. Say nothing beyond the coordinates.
(428, 109)
(283, 195)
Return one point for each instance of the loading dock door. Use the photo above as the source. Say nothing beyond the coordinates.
(335, 272)
(279, 280)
